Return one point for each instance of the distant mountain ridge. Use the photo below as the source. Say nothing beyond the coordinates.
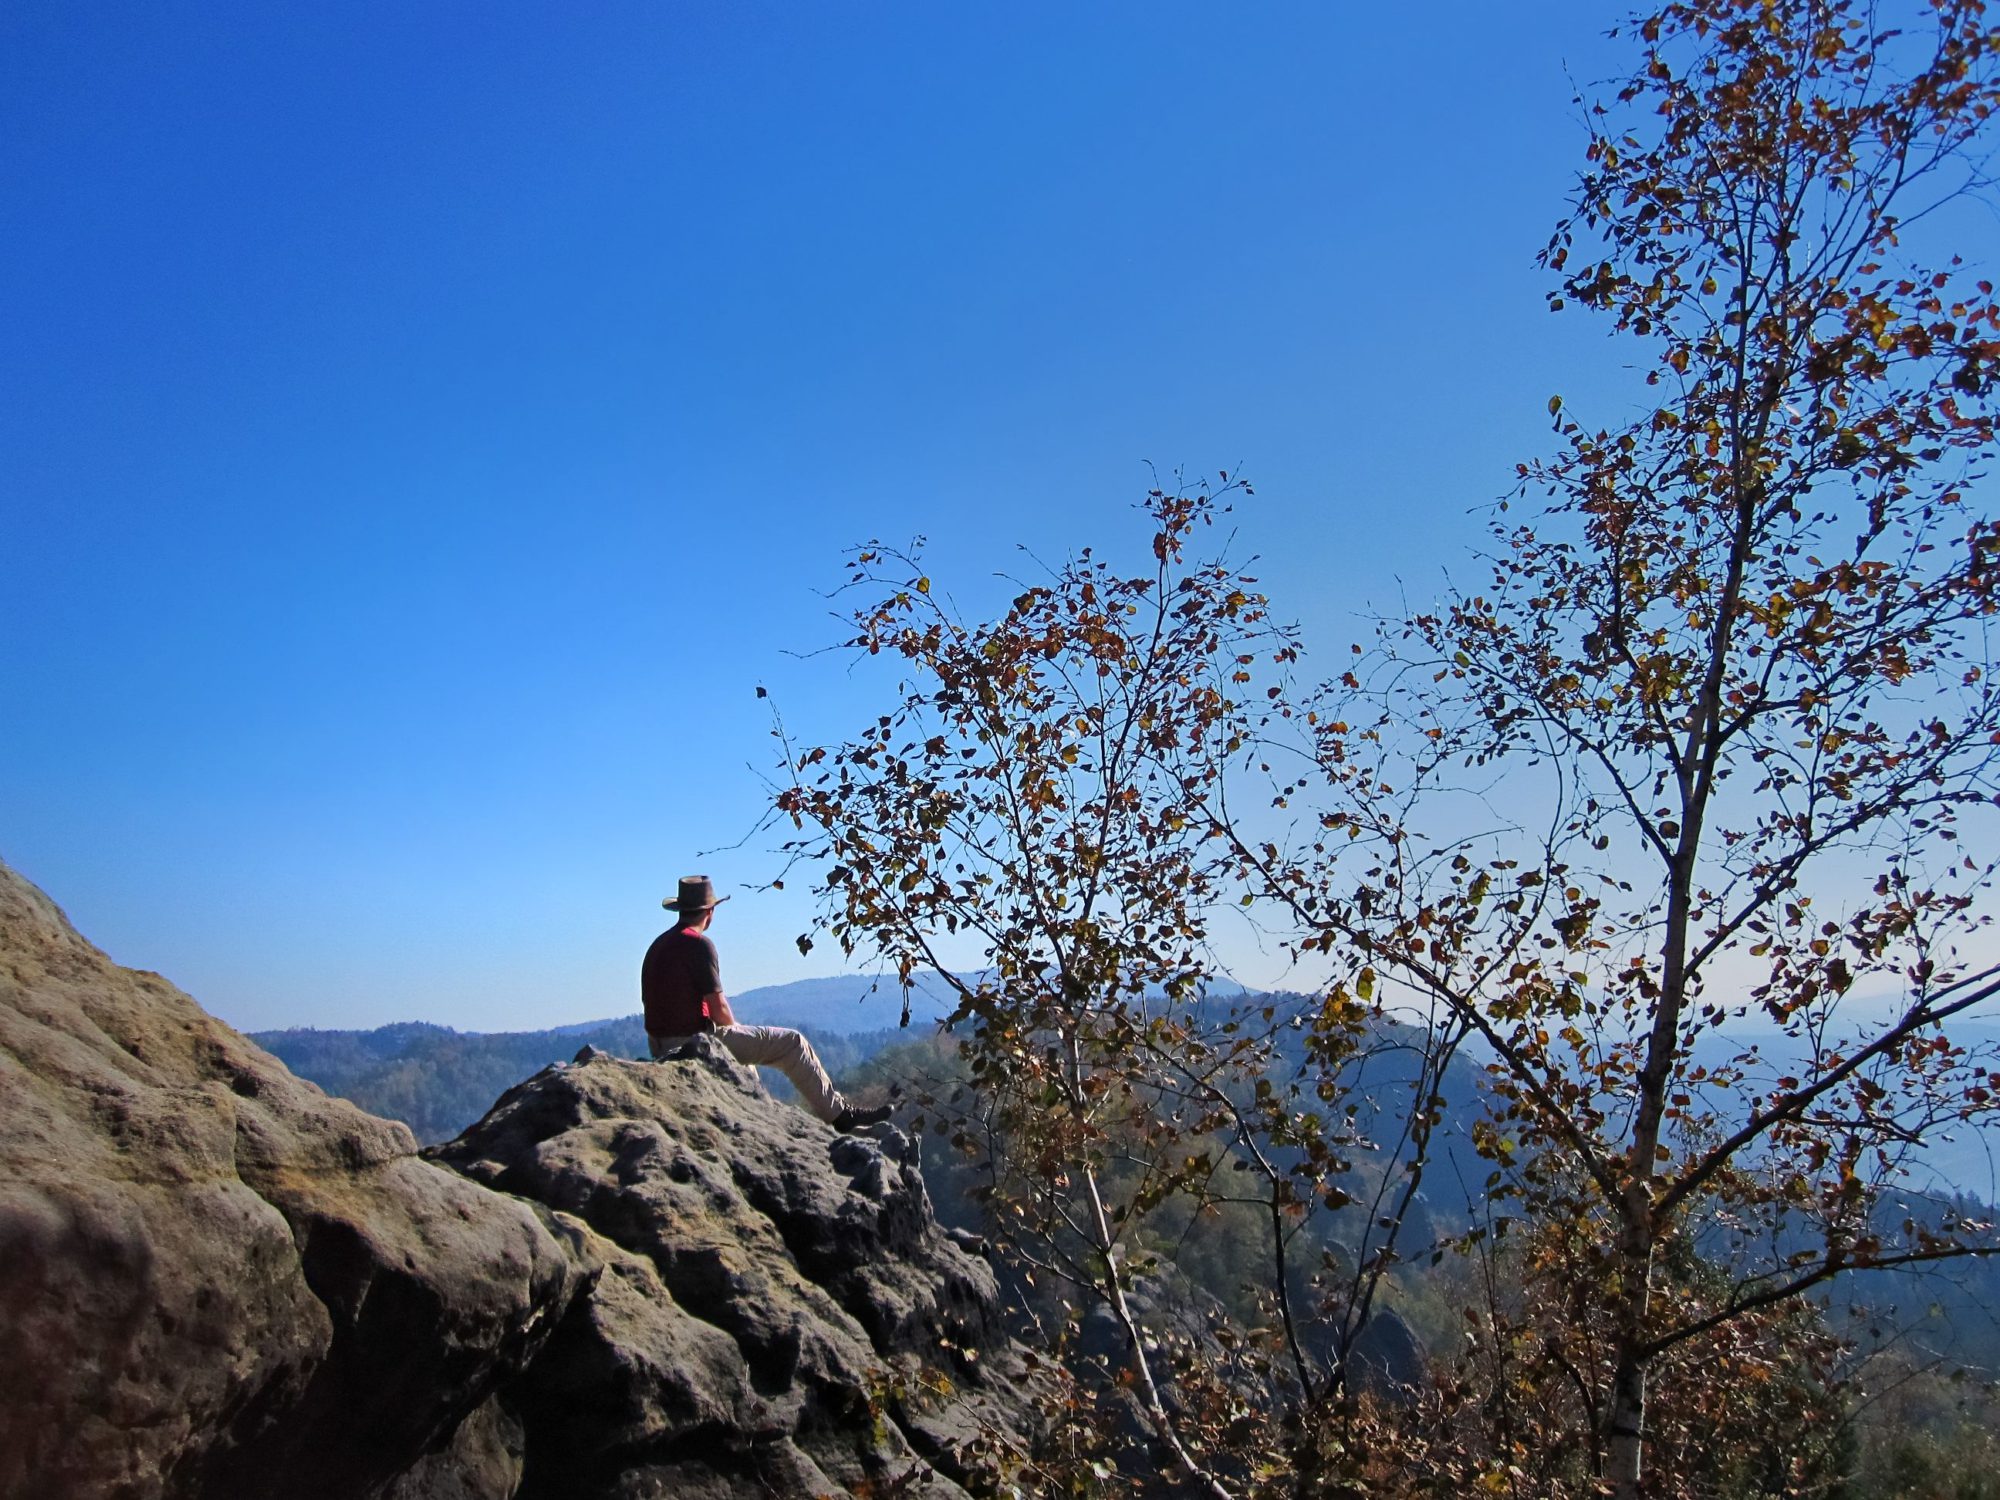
(438, 1080)
(835, 1005)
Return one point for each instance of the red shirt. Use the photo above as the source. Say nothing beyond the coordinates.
(681, 970)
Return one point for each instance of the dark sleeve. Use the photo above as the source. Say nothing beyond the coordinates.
(705, 966)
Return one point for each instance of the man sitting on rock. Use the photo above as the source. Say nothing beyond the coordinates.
(681, 985)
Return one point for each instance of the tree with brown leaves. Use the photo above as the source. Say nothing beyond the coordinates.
(1703, 750)
(1027, 823)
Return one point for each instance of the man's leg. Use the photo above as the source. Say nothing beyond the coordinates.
(790, 1053)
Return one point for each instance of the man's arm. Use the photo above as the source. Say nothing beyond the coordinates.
(708, 979)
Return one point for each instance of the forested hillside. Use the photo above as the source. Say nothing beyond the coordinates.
(438, 1081)
(1913, 1351)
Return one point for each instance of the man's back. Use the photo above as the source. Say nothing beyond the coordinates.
(681, 970)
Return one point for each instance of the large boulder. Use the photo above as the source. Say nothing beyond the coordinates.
(629, 1280)
(217, 1280)
(774, 1308)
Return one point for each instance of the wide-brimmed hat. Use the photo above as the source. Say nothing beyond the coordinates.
(697, 894)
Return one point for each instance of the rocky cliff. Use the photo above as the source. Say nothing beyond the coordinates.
(629, 1279)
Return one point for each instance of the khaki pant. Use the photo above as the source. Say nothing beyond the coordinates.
(777, 1047)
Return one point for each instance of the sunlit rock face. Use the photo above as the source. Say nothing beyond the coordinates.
(630, 1279)
(217, 1280)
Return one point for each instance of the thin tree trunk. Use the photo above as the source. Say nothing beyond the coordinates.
(1639, 1234)
(1625, 1439)
(1142, 1368)
(1113, 1288)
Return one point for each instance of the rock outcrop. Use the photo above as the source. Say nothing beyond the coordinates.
(631, 1279)
(773, 1307)
(217, 1280)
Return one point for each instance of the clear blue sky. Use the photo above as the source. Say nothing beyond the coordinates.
(423, 425)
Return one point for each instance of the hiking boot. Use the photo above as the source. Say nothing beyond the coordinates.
(851, 1119)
